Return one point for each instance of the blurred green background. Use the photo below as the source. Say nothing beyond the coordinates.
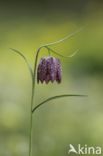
(25, 26)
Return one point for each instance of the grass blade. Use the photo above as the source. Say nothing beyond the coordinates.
(71, 55)
(56, 97)
(64, 39)
(25, 59)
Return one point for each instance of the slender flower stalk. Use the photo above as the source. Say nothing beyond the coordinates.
(49, 69)
(30, 135)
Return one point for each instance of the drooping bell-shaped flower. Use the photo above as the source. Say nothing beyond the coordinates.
(49, 69)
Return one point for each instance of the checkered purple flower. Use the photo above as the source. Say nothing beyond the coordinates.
(49, 69)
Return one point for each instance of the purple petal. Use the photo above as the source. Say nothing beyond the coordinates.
(59, 71)
(42, 67)
(49, 69)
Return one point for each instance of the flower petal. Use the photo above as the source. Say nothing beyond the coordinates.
(49, 69)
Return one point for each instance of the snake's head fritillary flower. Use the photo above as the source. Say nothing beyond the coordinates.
(49, 69)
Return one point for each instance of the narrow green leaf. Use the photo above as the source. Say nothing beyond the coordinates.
(25, 59)
(63, 39)
(71, 55)
(56, 97)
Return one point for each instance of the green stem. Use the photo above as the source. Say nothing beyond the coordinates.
(32, 100)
